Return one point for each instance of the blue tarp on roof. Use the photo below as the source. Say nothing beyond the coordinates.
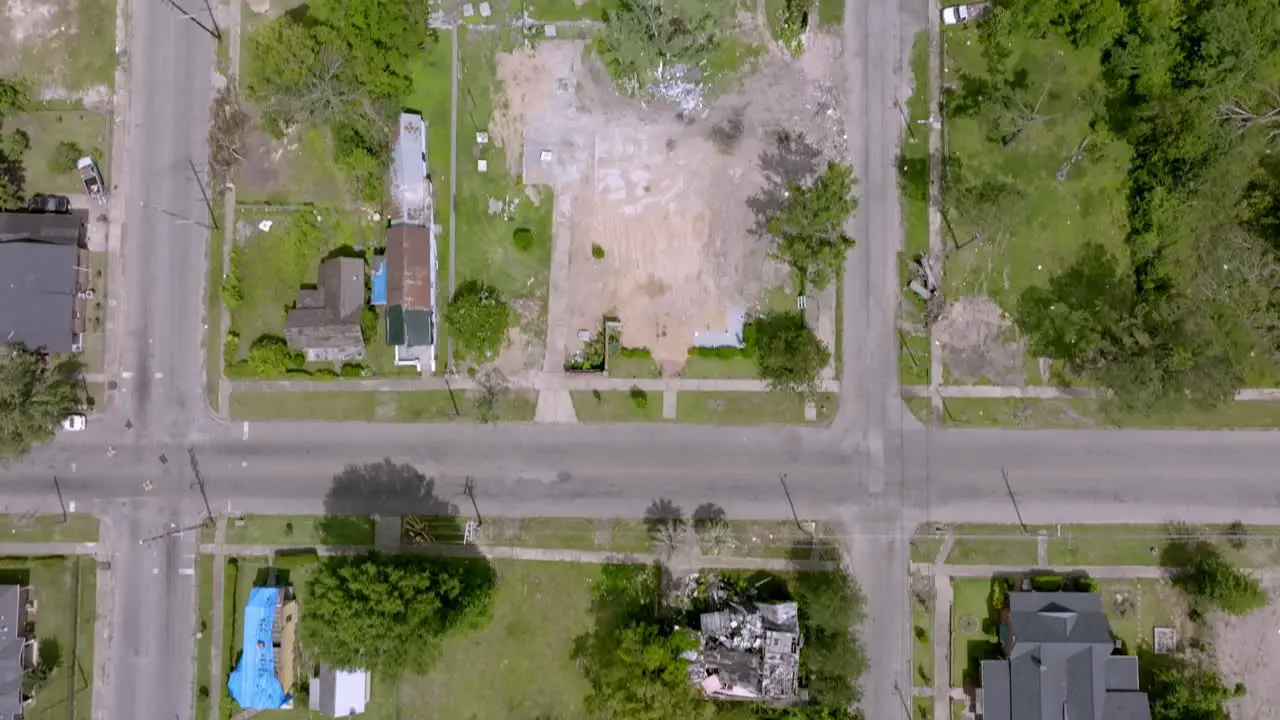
(379, 292)
(253, 683)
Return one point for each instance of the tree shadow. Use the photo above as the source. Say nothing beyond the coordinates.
(665, 523)
(364, 490)
(792, 159)
(344, 251)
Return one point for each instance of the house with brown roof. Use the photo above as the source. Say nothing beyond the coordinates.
(324, 323)
(404, 279)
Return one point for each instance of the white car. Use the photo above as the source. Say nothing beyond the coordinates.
(74, 423)
(960, 14)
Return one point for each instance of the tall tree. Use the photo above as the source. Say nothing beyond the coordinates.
(14, 94)
(388, 613)
(640, 35)
(36, 394)
(788, 353)
(1185, 687)
(809, 225)
(477, 317)
(641, 676)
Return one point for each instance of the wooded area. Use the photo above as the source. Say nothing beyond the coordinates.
(1184, 310)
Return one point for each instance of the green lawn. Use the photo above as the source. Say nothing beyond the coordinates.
(273, 265)
(213, 333)
(601, 535)
(1133, 544)
(204, 646)
(538, 610)
(615, 406)
(969, 608)
(704, 367)
(1087, 413)
(368, 406)
(303, 530)
(381, 357)
(439, 406)
(913, 359)
(993, 545)
(830, 14)
(922, 637)
(69, 47)
(65, 593)
(749, 408)
(560, 10)
(633, 367)
(925, 545)
(90, 130)
(49, 528)
(430, 98)
(913, 160)
(485, 250)
(1040, 234)
(343, 405)
(1142, 605)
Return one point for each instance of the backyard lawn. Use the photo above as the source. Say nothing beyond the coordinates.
(1042, 221)
(1136, 606)
(90, 130)
(750, 408)
(538, 609)
(491, 205)
(270, 266)
(973, 638)
(65, 591)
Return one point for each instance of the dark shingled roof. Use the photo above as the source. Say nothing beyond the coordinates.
(1061, 664)
(38, 294)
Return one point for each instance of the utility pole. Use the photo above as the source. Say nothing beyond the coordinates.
(1013, 499)
(213, 217)
(469, 489)
(58, 488)
(195, 470)
(213, 32)
(787, 491)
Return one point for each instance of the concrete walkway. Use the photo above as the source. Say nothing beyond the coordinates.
(1046, 392)
(215, 622)
(1094, 571)
(36, 549)
(538, 381)
(499, 552)
(941, 645)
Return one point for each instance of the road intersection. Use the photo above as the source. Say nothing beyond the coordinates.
(875, 471)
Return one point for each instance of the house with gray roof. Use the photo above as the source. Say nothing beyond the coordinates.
(16, 650)
(44, 281)
(324, 323)
(1060, 662)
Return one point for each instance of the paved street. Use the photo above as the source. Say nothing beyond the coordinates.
(876, 470)
(155, 355)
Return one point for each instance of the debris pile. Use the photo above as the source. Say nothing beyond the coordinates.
(680, 85)
(749, 651)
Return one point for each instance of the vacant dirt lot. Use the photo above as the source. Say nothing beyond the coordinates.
(65, 48)
(668, 200)
(1248, 650)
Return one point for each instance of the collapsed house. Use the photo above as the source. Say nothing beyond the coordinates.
(749, 652)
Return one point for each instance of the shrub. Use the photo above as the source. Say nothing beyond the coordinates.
(635, 353)
(998, 593)
(639, 397)
(597, 252)
(230, 348)
(1086, 584)
(1046, 583)
(296, 559)
(726, 352)
(369, 324)
(64, 156)
(522, 238)
(478, 318)
(353, 370)
(324, 374)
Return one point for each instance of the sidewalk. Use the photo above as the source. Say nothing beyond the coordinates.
(538, 381)
(215, 621)
(51, 549)
(1093, 571)
(500, 552)
(1048, 392)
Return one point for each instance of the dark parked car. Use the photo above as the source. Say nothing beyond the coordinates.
(41, 203)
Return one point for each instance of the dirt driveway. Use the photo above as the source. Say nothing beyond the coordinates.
(665, 199)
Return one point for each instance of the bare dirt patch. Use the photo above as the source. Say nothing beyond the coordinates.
(65, 48)
(1248, 651)
(979, 343)
(665, 198)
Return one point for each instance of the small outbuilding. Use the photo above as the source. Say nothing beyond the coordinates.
(339, 693)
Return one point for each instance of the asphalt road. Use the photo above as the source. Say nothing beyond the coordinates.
(152, 641)
(876, 471)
